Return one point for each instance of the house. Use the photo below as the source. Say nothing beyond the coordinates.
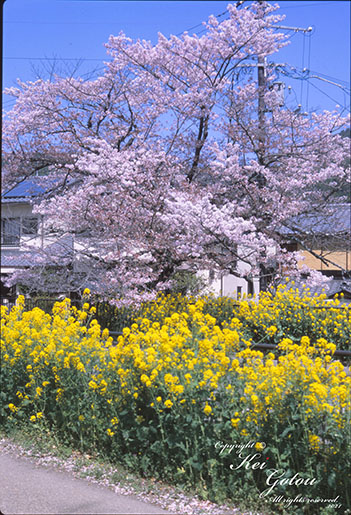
(323, 239)
(25, 241)
(25, 238)
(19, 229)
(229, 285)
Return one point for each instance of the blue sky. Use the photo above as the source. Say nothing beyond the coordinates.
(38, 33)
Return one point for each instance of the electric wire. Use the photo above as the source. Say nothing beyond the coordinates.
(106, 60)
(301, 4)
(302, 78)
(308, 67)
(330, 77)
(326, 94)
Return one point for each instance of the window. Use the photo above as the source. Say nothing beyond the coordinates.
(13, 228)
(10, 231)
(29, 226)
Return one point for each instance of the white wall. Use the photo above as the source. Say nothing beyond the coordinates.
(227, 285)
(23, 210)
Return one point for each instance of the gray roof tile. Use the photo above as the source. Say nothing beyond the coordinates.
(334, 220)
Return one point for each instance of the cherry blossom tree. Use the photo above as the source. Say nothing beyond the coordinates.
(175, 157)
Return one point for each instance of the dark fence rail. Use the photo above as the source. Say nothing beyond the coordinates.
(109, 316)
(343, 354)
(272, 346)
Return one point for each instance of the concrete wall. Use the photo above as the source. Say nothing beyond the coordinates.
(228, 285)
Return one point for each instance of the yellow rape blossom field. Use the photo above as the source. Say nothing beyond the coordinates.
(184, 394)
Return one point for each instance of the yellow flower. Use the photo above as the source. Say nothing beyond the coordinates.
(13, 408)
(235, 422)
(93, 385)
(207, 409)
(109, 432)
(40, 415)
(168, 403)
(272, 330)
(315, 442)
(305, 341)
(33, 418)
(80, 367)
(259, 446)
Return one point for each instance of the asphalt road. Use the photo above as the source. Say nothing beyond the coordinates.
(31, 490)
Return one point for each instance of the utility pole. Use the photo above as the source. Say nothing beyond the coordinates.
(265, 272)
(261, 82)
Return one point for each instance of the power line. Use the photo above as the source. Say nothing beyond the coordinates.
(238, 4)
(304, 74)
(58, 59)
(330, 77)
(305, 5)
(200, 24)
(303, 78)
(287, 29)
(326, 94)
(64, 22)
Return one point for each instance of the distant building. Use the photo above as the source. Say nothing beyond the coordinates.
(324, 240)
(24, 236)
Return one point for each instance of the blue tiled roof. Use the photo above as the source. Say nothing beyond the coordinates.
(27, 188)
(336, 219)
(32, 187)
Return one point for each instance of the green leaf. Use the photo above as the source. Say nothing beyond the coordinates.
(331, 479)
(287, 430)
(194, 464)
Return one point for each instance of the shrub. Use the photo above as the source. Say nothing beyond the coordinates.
(185, 399)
